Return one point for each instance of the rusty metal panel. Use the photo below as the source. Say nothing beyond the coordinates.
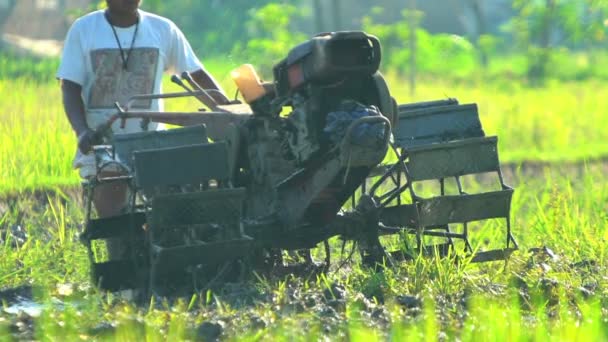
(464, 208)
(435, 161)
(295, 194)
(220, 206)
(406, 107)
(126, 144)
(193, 164)
(437, 124)
(168, 260)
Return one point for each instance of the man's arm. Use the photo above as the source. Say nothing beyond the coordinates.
(206, 81)
(182, 58)
(74, 110)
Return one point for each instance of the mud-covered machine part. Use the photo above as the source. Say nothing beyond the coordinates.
(271, 182)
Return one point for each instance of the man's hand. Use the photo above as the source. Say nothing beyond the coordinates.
(206, 81)
(220, 98)
(86, 140)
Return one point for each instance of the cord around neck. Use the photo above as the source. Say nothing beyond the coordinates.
(125, 60)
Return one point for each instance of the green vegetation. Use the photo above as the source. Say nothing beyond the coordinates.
(554, 288)
(14, 66)
(543, 100)
(555, 39)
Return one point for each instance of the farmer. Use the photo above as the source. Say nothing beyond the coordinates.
(110, 55)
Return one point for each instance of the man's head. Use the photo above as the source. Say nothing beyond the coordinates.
(123, 7)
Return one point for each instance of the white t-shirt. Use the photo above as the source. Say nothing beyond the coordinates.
(91, 58)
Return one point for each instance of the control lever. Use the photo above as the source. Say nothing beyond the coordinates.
(203, 97)
(175, 79)
(209, 101)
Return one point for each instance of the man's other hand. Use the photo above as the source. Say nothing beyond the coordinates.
(220, 98)
(86, 140)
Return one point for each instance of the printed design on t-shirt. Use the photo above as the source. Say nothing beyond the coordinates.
(113, 83)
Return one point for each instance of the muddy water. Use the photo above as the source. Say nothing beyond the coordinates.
(21, 310)
(20, 301)
(25, 305)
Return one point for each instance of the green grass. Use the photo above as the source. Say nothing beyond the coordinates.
(17, 65)
(37, 142)
(532, 297)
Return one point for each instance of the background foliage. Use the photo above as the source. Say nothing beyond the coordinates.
(562, 39)
(539, 40)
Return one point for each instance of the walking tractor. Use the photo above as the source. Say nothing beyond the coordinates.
(322, 151)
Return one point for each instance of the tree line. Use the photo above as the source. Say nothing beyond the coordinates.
(540, 32)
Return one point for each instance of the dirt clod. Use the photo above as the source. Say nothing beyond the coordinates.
(210, 331)
(334, 292)
(410, 302)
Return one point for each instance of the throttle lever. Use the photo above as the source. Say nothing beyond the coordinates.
(175, 79)
(200, 95)
(209, 101)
